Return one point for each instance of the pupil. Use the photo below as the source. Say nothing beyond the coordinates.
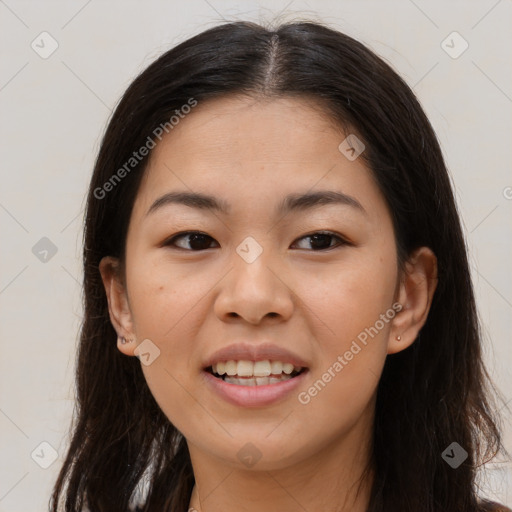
(320, 237)
(197, 241)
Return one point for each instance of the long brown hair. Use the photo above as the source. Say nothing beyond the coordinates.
(430, 395)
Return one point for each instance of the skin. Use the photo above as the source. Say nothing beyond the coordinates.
(251, 153)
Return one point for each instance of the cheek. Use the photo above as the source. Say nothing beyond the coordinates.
(352, 318)
(353, 305)
(165, 306)
(162, 296)
(349, 296)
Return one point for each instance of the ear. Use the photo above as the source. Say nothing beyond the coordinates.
(416, 290)
(118, 306)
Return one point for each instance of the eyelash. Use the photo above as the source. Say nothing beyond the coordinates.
(172, 240)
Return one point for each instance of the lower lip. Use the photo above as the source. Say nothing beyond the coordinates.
(253, 396)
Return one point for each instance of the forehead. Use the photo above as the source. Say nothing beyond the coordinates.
(241, 148)
(245, 127)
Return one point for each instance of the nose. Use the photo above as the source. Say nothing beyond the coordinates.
(254, 291)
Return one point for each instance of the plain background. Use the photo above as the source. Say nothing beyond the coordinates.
(54, 111)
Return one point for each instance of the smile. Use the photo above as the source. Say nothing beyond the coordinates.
(247, 383)
(257, 373)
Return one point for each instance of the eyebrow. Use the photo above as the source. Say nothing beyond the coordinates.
(309, 200)
(191, 199)
(292, 202)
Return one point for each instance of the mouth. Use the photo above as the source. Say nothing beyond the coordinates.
(254, 373)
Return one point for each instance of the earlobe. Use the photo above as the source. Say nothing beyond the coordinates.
(119, 310)
(126, 346)
(416, 291)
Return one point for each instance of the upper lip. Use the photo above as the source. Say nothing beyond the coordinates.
(251, 352)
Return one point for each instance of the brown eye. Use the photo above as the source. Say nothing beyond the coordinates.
(193, 241)
(322, 240)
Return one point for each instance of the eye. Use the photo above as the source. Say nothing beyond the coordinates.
(198, 241)
(321, 240)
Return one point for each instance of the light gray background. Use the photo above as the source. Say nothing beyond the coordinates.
(53, 113)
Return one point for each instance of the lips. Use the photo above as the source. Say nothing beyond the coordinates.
(259, 373)
(253, 375)
(254, 391)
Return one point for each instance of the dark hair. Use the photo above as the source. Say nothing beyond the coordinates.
(429, 395)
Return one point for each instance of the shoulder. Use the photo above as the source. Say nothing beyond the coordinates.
(491, 506)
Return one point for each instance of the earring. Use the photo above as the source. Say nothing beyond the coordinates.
(123, 340)
(398, 338)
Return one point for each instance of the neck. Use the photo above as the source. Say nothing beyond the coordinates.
(330, 479)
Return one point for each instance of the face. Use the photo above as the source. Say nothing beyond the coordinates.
(289, 265)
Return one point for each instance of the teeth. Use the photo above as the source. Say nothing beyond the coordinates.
(287, 368)
(230, 367)
(245, 369)
(256, 381)
(259, 369)
(276, 367)
(262, 368)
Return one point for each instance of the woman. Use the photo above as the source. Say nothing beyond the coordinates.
(272, 239)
